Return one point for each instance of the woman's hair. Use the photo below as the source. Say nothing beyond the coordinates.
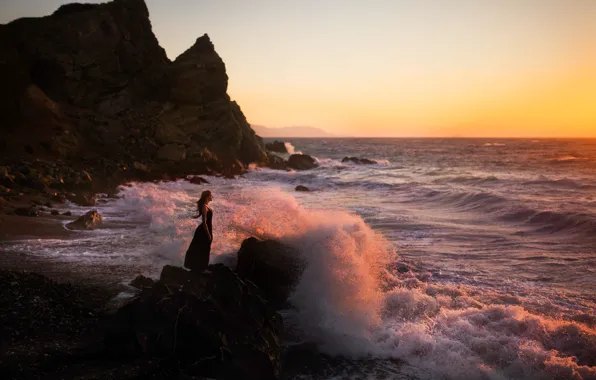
(204, 195)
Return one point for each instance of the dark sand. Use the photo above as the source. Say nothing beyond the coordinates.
(13, 227)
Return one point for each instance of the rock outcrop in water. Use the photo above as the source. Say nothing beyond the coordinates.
(277, 146)
(301, 162)
(356, 160)
(274, 267)
(211, 324)
(90, 99)
(88, 221)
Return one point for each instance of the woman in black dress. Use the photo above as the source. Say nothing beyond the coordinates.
(197, 255)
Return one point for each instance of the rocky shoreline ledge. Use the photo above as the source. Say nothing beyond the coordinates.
(183, 325)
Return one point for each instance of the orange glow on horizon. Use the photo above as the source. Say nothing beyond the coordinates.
(554, 100)
(552, 105)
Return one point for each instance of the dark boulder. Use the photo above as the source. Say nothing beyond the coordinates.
(356, 160)
(207, 324)
(86, 222)
(6, 179)
(54, 212)
(141, 282)
(301, 188)
(402, 268)
(58, 197)
(274, 267)
(22, 211)
(196, 180)
(67, 213)
(302, 162)
(277, 146)
(277, 163)
(82, 198)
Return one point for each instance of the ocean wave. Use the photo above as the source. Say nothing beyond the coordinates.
(470, 180)
(541, 221)
(449, 332)
(467, 200)
(332, 175)
(555, 222)
(378, 162)
(493, 144)
(565, 158)
(564, 183)
(568, 159)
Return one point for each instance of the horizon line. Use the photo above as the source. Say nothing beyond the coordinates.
(428, 137)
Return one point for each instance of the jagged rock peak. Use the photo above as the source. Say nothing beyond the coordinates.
(202, 46)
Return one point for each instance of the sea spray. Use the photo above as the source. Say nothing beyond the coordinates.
(447, 331)
(291, 149)
(338, 299)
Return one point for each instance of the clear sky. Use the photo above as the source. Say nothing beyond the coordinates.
(499, 68)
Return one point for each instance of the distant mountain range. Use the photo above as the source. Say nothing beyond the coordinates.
(290, 131)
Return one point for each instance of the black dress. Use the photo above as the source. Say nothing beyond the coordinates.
(197, 254)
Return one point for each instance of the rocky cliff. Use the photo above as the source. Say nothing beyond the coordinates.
(89, 87)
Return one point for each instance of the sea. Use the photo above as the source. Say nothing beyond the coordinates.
(447, 259)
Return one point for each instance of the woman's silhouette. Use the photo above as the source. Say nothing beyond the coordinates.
(197, 254)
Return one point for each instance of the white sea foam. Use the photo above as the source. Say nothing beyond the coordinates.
(493, 144)
(291, 149)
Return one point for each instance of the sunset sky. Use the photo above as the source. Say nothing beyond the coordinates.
(498, 68)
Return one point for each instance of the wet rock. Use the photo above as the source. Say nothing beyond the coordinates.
(6, 179)
(58, 197)
(213, 325)
(141, 282)
(277, 163)
(22, 211)
(67, 213)
(302, 162)
(141, 167)
(274, 267)
(54, 212)
(89, 221)
(196, 180)
(402, 268)
(356, 160)
(277, 146)
(301, 188)
(82, 198)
